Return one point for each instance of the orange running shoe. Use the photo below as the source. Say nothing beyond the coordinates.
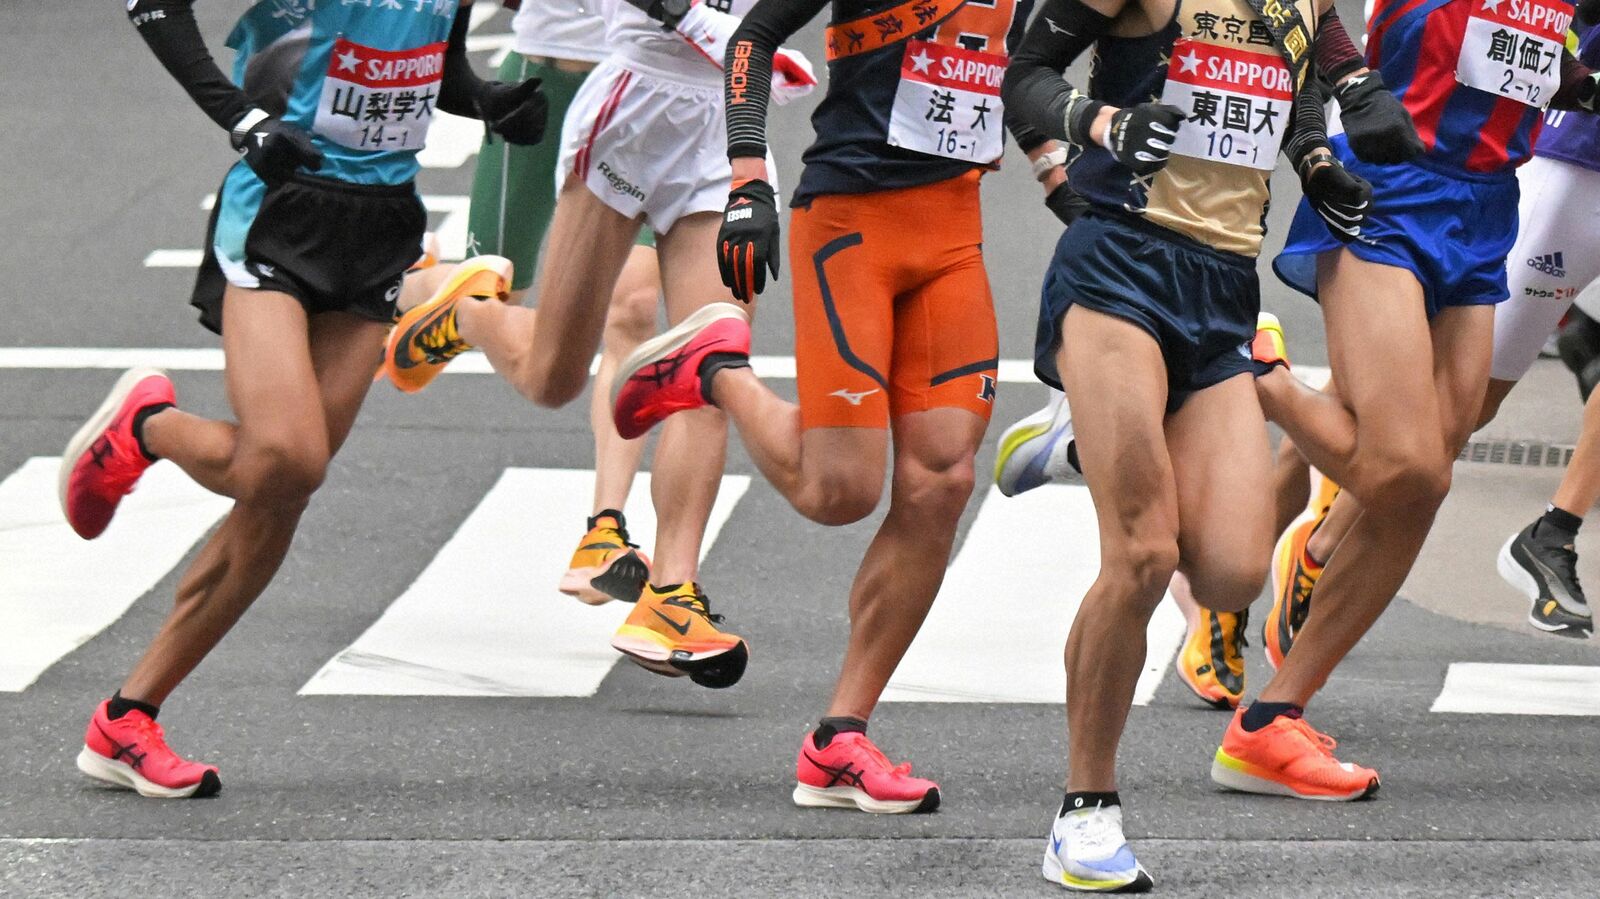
(1295, 573)
(673, 632)
(1288, 758)
(425, 338)
(1267, 348)
(1211, 663)
(606, 565)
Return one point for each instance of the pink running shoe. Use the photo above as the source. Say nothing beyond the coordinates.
(662, 376)
(132, 752)
(103, 461)
(852, 773)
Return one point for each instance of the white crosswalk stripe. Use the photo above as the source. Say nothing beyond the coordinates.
(57, 591)
(1483, 688)
(485, 619)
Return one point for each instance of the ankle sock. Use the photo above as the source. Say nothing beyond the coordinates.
(1260, 714)
(139, 418)
(613, 514)
(121, 705)
(828, 728)
(715, 362)
(1081, 799)
(1560, 519)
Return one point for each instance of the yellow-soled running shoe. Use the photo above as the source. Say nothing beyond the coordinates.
(425, 338)
(671, 631)
(1295, 572)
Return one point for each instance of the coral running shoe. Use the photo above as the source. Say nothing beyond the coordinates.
(1211, 663)
(673, 632)
(132, 752)
(1086, 853)
(662, 376)
(1267, 348)
(104, 461)
(425, 338)
(606, 565)
(1295, 573)
(1038, 450)
(851, 772)
(1288, 758)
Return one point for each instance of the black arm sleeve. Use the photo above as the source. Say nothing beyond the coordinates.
(1336, 55)
(747, 70)
(168, 26)
(458, 92)
(1027, 137)
(1309, 131)
(1034, 91)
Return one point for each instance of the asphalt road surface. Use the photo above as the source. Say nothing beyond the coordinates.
(412, 709)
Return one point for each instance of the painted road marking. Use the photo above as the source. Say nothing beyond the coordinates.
(57, 591)
(997, 631)
(1481, 688)
(485, 619)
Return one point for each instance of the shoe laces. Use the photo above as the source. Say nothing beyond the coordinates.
(871, 750)
(698, 603)
(122, 469)
(619, 532)
(1096, 831)
(149, 731)
(1562, 557)
(1318, 740)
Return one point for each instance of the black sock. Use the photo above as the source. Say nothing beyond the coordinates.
(121, 705)
(1563, 521)
(715, 362)
(616, 514)
(1081, 799)
(1260, 714)
(139, 419)
(828, 728)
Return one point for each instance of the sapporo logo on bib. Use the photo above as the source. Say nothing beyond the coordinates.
(1513, 48)
(380, 100)
(1237, 102)
(948, 102)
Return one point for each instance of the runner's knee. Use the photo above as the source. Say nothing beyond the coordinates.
(552, 384)
(840, 497)
(632, 318)
(932, 489)
(1405, 481)
(279, 471)
(1144, 558)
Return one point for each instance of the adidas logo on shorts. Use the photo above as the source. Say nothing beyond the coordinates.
(1550, 263)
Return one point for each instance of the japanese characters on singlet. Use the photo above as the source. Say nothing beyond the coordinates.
(1474, 74)
(908, 106)
(1216, 61)
(362, 76)
(1574, 136)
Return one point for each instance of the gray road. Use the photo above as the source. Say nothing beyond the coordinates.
(651, 786)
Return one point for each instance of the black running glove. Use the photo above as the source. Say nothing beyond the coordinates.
(1140, 137)
(273, 148)
(516, 112)
(1066, 203)
(1376, 123)
(1340, 196)
(747, 245)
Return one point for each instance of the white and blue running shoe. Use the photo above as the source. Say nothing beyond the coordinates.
(1086, 853)
(1038, 450)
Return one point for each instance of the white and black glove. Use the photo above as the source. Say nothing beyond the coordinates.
(1340, 196)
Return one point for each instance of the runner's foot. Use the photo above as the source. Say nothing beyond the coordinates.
(425, 338)
(1541, 562)
(1294, 576)
(1211, 663)
(1288, 757)
(663, 375)
(131, 752)
(671, 631)
(606, 565)
(104, 459)
(1038, 450)
(851, 772)
(1087, 853)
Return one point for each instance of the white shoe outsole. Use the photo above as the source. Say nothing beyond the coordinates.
(1225, 776)
(96, 425)
(120, 774)
(808, 796)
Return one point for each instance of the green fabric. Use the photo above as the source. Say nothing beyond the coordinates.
(513, 189)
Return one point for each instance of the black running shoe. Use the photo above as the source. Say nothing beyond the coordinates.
(1545, 568)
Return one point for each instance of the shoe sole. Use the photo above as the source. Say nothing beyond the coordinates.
(1142, 882)
(807, 796)
(120, 774)
(96, 425)
(1512, 572)
(1224, 704)
(715, 670)
(669, 342)
(499, 270)
(1282, 569)
(1229, 772)
(623, 578)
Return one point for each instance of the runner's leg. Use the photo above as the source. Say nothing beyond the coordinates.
(631, 321)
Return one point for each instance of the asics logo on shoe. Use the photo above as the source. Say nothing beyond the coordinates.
(1550, 263)
(101, 451)
(662, 371)
(682, 629)
(135, 759)
(853, 399)
(844, 773)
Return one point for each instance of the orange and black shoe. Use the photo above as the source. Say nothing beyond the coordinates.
(1211, 663)
(671, 631)
(1295, 573)
(1267, 348)
(425, 338)
(1288, 757)
(606, 565)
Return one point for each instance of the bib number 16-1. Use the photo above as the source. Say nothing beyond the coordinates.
(948, 103)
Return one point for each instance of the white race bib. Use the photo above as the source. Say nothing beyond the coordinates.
(1512, 48)
(1238, 103)
(380, 100)
(948, 103)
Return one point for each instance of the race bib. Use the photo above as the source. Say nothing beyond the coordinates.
(948, 103)
(380, 100)
(1512, 48)
(1238, 103)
